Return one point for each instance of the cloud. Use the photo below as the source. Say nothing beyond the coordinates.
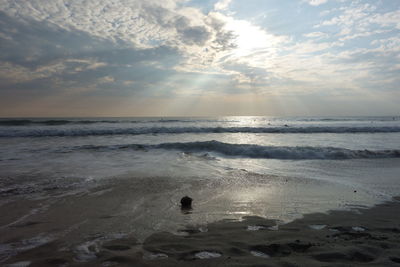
(316, 2)
(143, 24)
(50, 59)
(316, 35)
(222, 4)
(388, 19)
(154, 49)
(351, 15)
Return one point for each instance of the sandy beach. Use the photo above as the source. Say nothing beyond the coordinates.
(107, 191)
(361, 237)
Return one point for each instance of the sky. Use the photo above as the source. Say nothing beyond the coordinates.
(66, 58)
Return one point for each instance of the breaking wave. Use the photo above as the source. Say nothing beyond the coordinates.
(181, 130)
(55, 122)
(257, 151)
(23, 122)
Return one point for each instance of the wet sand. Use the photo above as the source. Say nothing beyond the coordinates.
(363, 237)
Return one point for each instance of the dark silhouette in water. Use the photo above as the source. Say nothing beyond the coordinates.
(186, 203)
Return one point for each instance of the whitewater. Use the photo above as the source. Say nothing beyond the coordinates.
(126, 175)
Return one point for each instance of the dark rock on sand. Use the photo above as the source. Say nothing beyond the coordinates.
(186, 202)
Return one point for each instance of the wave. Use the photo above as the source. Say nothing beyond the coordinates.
(38, 132)
(66, 121)
(23, 122)
(257, 151)
(54, 122)
(346, 119)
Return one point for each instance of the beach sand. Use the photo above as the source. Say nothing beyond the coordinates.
(362, 237)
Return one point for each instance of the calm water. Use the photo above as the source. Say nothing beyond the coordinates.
(133, 171)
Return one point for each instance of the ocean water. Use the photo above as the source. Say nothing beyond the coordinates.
(110, 176)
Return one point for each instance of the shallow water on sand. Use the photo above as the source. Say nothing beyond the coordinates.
(84, 180)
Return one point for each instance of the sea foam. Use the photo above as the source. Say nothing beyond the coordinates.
(257, 151)
(93, 131)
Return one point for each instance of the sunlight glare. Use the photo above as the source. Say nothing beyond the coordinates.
(249, 38)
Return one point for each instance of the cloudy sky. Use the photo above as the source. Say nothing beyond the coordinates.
(199, 57)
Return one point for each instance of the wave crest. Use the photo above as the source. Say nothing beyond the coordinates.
(38, 132)
(257, 151)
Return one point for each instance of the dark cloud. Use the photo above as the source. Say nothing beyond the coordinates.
(212, 30)
(54, 59)
(195, 35)
(43, 57)
(224, 40)
(31, 43)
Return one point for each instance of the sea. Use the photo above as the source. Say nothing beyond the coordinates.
(85, 179)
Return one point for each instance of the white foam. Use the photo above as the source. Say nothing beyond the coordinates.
(317, 226)
(93, 131)
(207, 255)
(259, 254)
(258, 151)
(203, 229)
(358, 228)
(255, 227)
(34, 242)
(87, 251)
(154, 256)
(274, 228)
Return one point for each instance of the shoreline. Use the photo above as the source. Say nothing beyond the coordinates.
(366, 237)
